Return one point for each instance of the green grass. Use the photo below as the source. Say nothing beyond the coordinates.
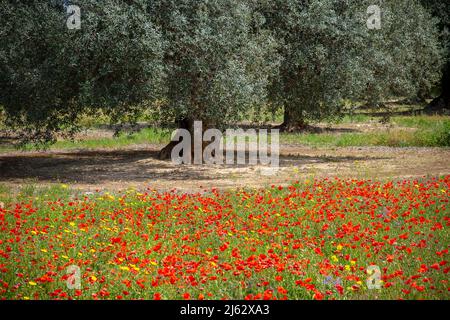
(5, 193)
(419, 121)
(147, 135)
(33, 190)
(356, 118)
(404, 131)
(430, 131)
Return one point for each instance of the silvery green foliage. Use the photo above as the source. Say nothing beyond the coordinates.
(218, 59)
(407, 56)
(50, 75)
(210, 60)
(330, 54)
(318, 46)
(441, 10)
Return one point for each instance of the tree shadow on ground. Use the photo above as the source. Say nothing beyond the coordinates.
(100, 167)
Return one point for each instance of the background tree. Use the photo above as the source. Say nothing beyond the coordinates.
(441, 10)
(405, 58)
(50, 76)
(329, 54)
(317, 46)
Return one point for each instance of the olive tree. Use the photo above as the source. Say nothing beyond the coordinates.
(219, 60)
(51, 73)
(331, 54)
(406, 56)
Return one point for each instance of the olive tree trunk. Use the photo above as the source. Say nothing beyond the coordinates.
(187, 124)
(292, 122)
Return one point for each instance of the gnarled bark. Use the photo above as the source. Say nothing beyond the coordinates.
(166, 152)
(292, 123)
(187, 124)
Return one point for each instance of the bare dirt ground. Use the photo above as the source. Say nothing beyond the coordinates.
(138, 167)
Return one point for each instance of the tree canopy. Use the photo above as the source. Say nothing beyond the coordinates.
(219, 60)
(329, 54)
(209, 60)
(51, 75)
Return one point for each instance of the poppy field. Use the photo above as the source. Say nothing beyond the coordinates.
(310, 240)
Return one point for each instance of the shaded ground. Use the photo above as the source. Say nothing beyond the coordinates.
(139, 167)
